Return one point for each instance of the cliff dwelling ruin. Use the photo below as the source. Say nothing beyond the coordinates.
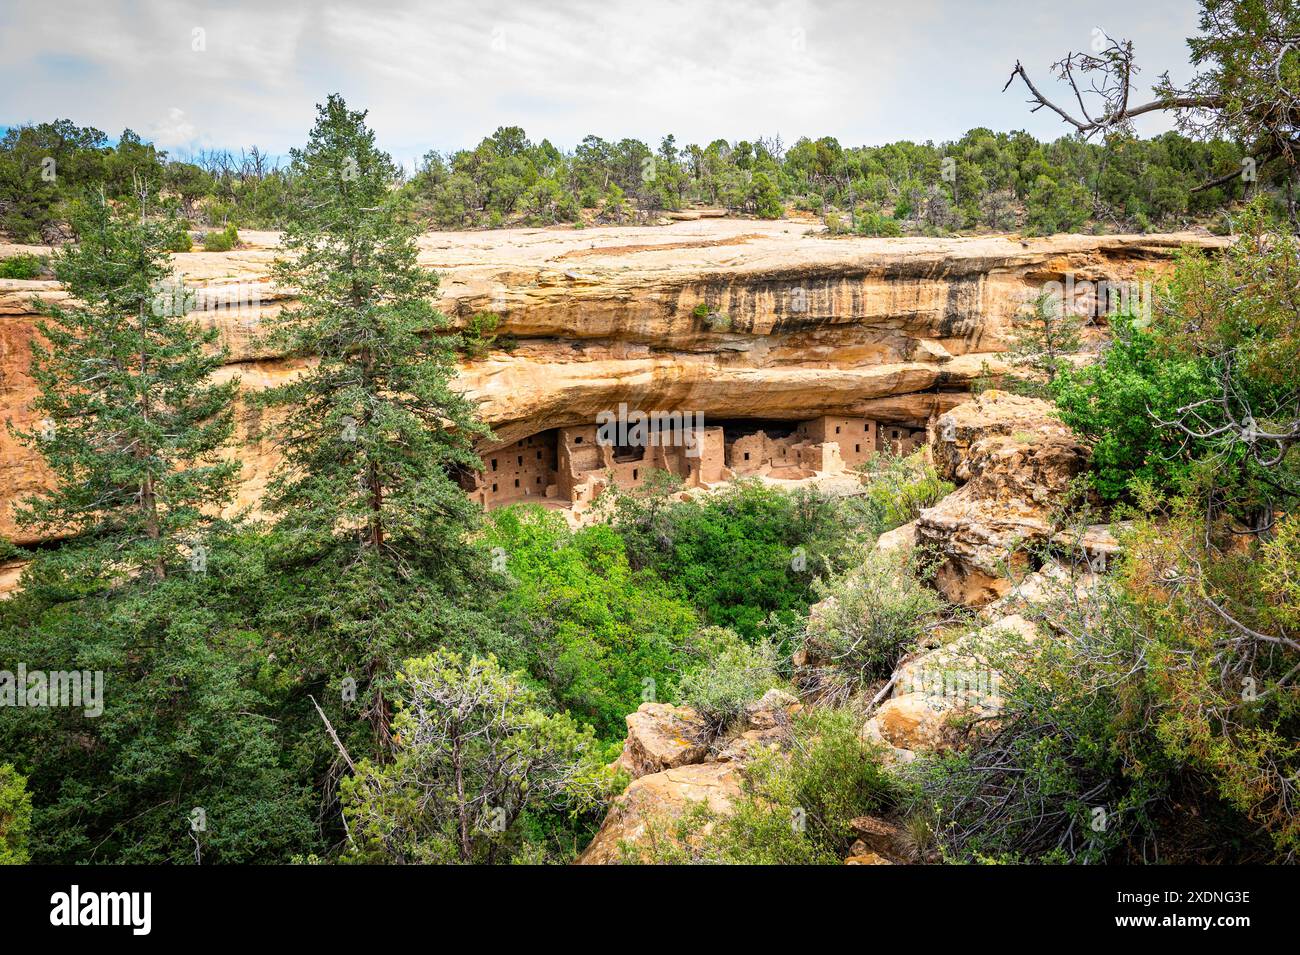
(571, 466)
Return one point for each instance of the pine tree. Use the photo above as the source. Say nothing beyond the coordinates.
(372, 428)
(127, 416)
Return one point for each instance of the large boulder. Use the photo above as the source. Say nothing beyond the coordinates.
(673, 770)
(658, 799)
(899, 539)
(885, 838)
(937, 694)
(661, 736)
(1016, 461)
(1056, 586)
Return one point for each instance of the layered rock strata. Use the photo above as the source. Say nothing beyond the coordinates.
(730, 319)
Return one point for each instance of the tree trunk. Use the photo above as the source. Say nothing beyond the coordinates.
(461, 809)
(148, 498)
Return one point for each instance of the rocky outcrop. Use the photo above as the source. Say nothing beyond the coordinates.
(900, 538)
(689, 773)
(1058, 583)
(659, 737)
(940, 693)
(882, 839)
(890, 329)
(1016, 461)
(660, 798)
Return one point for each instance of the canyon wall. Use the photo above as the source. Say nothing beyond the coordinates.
(733, 319)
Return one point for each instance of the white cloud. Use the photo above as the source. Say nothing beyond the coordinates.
(444, 74)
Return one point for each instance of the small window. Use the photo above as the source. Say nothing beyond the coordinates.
(539, 480)
(746, 455)
(521, 460)
(578, 440)
(837, 429)
(539, 455)
(857, 449)
(494, 488)
(516, 482)
(494, 464)
(866, 426)
(634, 474)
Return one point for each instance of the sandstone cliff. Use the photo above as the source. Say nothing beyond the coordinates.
(792, 325)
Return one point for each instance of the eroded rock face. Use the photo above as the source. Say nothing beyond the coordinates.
(936, 691)
(672, 771)
(900, 539)
(1016, 460)
(661, 736)
(889, 329)
(660, 796)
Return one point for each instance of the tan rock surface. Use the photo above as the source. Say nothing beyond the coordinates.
(935, 691)
(661, 796)
(659, 737)
(672, 772)
(1016, 460)
(890, 328)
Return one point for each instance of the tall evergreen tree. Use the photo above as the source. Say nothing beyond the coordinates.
(371, 429)
(128, 418)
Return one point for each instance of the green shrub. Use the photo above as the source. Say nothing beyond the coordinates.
(480, 334)
(477, 766)
(23, 266)
(879, 224)
(588, 626)
(223, 241)
(795, 807)
(879, 610)
(736, 674)
(738, 555)
(15, 816)
(1060, 780)
(1115, 403)
(897, 488)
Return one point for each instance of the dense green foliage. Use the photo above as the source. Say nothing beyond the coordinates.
(378, 674)
(982, 181)
(795, 808)
(128, 418)
(740, 555)
(602, 637)
(23, 266)
(371, 525)
(1116, 402)
(1203, 386)
(477, 762)
(15, 816)
(199, 713)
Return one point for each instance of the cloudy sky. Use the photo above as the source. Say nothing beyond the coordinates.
(442, 74)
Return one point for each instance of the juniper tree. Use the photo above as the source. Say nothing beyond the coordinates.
(478, 756)
(372, 428)
(128, 417)
(1044, 334)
